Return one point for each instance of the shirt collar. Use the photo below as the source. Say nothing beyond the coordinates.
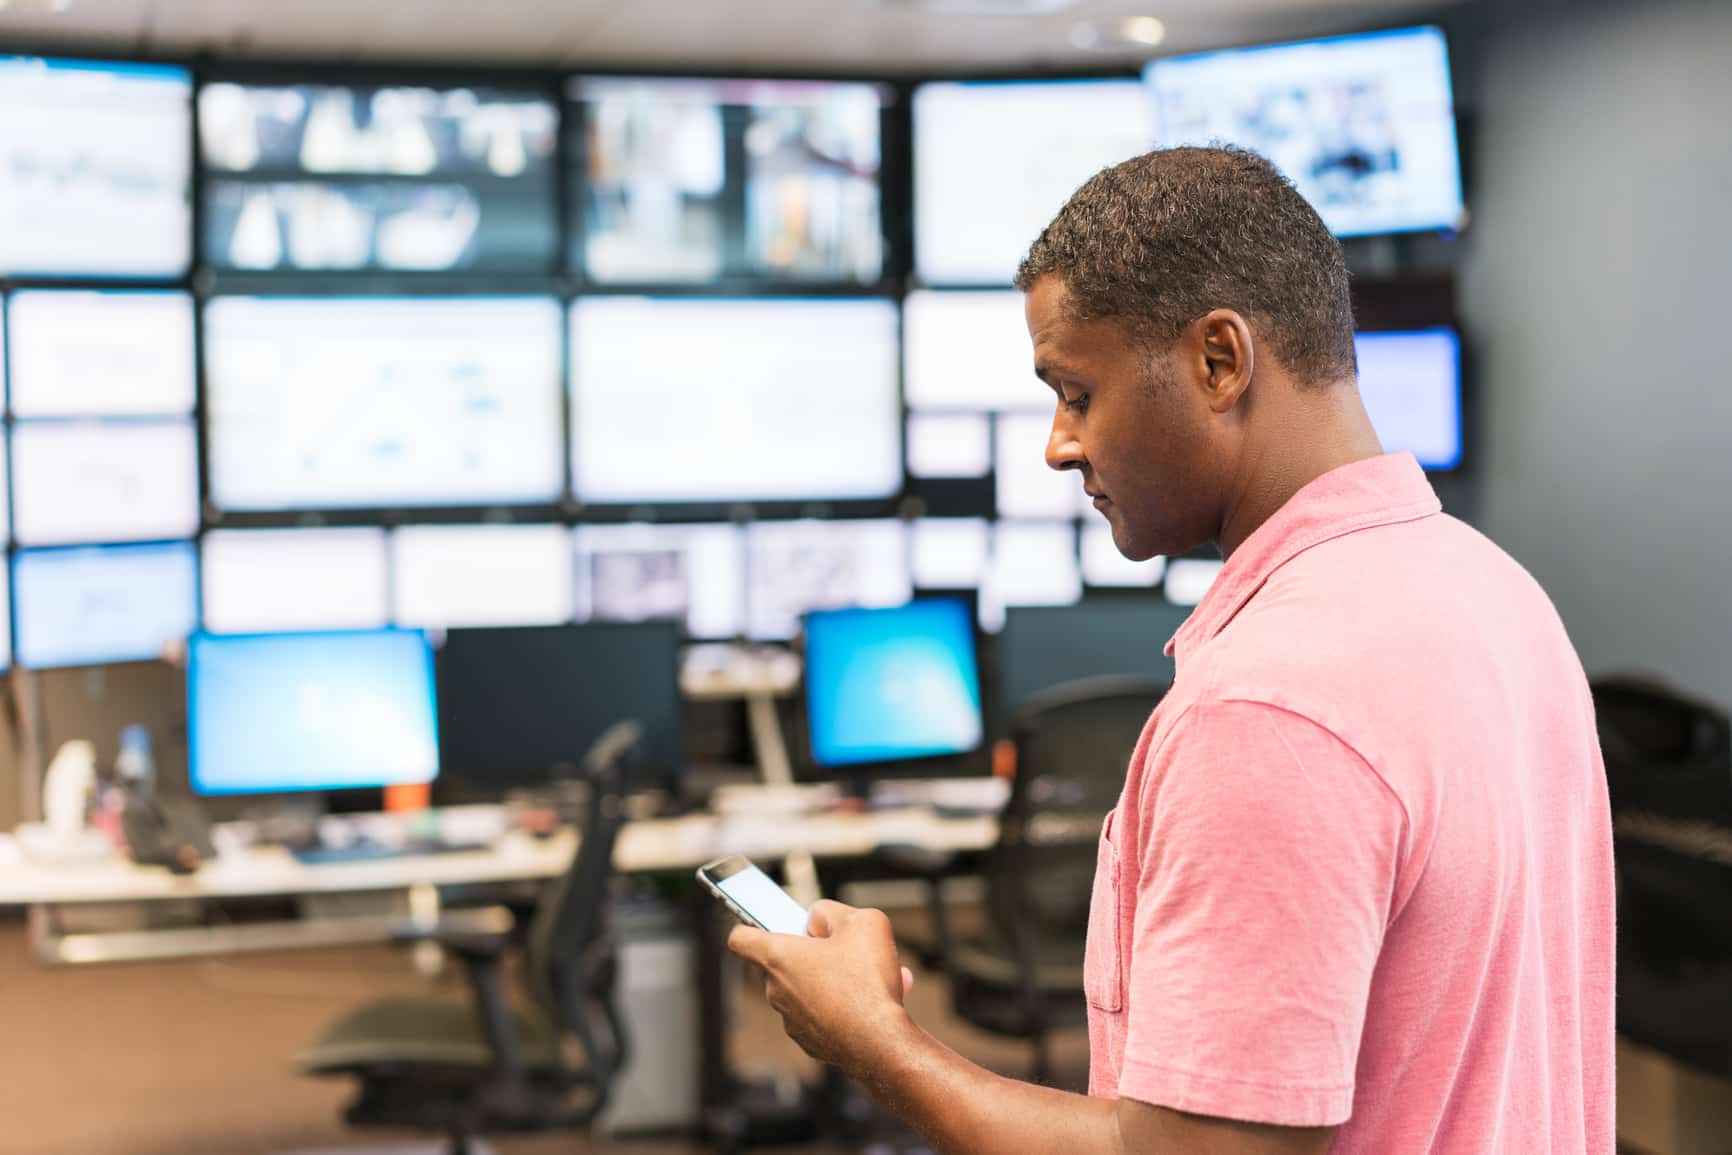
(1360, 495)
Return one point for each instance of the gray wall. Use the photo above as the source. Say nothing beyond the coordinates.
(1597, 289)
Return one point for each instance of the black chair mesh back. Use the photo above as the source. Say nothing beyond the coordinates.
(1073, 747)
(1669, 774)
(569, 955)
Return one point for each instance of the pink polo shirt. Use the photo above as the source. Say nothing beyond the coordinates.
(1361, 872)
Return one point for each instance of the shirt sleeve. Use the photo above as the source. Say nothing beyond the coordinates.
(1267, 865)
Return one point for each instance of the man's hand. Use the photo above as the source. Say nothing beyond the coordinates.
(839, 991)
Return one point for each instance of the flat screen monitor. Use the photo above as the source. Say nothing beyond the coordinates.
(5, 617)
(312, 176)
(690, 181)
(518, 705)
(289, 713)
(256, 581)
(481, 575)
(969, 350)
(1104, 565)
(93, 606)
(1411, 386)
(949, 553)
(1023, 483)
(1046, 646)
(86, 354)
(994, 162)
(949, 445)
(383, 402)
(95, 168)
(795, 567)
(1033, 563)
(749, 400)
(891, 685)
(80, 481)
(694, 574)
(1363, 125)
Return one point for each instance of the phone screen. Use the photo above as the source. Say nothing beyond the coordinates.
(773, 908)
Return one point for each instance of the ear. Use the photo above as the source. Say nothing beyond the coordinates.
(1228, 356)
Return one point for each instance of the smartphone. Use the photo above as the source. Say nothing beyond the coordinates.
(754, 899)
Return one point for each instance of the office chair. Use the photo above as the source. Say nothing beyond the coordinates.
(1669, 773)
(1021, 975)
(469, 1068)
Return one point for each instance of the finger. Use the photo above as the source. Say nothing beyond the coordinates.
(749, 943)
(826, 917)
(907, 981)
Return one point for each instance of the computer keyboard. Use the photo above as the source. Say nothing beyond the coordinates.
(373, 851)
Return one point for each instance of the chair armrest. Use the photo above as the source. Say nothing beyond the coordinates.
(482, 933)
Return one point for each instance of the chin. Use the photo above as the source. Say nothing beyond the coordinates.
(1134, 546)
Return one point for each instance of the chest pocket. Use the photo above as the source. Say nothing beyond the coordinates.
(1103, 970)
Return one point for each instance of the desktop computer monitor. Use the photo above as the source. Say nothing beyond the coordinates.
(282, 713)
(518, 703)
(1046, 646)
(892, 686)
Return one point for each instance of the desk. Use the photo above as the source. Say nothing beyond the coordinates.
(652, 846)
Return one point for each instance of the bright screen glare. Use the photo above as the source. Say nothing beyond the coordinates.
(87, 607)
(747, 400)
(98, 163)
(81, 354)
(292, 712)
(1363, 125)
(994, 162)
(382, 402)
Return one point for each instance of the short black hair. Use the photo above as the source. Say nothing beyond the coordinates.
(1159, 240)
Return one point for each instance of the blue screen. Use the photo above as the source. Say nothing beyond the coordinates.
(885, 685)
(1411, 385)
(85, 607)
(273, 713)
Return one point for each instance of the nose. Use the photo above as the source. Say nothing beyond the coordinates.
(1063, 450)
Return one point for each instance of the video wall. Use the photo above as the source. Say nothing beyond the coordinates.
(598, 348)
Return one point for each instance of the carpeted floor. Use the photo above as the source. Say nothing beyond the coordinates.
(194, 1057)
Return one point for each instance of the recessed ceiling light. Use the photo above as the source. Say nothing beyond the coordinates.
(1085, 34)
(1143, 30)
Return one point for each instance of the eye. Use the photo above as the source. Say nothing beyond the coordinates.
(1074, 402)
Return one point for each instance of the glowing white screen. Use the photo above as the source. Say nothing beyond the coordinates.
(1034, 563)
(98, 163)
(1188, 578)
(1026, 486)
(748, 400)
(81, 607)
(1411, 386)
(1363, 125)
(86, 482)
(793, 567)
(964, 350)
(354, 402)
(77, 354)
(949, 552)
(481, 575)
(1104, 565)
(949, 444)
(286, 580)
(993, 163)
(691, 573)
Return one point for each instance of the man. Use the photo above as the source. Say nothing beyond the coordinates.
(1357, 893)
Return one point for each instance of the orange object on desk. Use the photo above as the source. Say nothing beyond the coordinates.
(409, 798)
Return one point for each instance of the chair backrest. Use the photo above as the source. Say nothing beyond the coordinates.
(1073, 747)
(1667, 754)
(569, 958)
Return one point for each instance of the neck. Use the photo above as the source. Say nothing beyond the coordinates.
(1324, 430)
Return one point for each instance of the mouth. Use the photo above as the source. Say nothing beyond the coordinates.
(1101, 500)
